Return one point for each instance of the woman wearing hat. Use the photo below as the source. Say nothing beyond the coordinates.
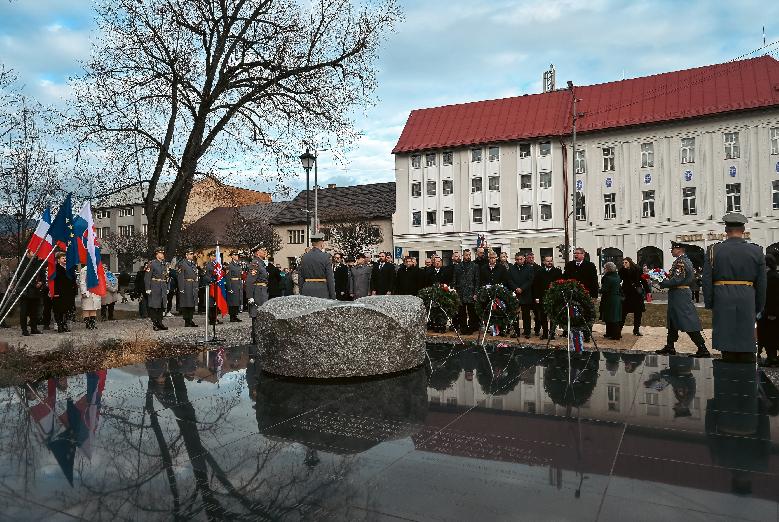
(90, 302)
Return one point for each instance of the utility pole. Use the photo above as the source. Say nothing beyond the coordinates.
(574, 117)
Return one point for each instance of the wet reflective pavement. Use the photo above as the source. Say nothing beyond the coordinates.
(514, 437)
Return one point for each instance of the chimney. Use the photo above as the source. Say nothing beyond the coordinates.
(549, 79)
(331, 185)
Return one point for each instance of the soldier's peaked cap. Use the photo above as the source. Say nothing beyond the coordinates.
(189, 251)
(258, 247)
(159, 249)
(233, 252)
(676, 244)
(734, 219)
(317, 237)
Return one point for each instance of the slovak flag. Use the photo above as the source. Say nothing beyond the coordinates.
(218, 290)
(89, 249)
(41, 243)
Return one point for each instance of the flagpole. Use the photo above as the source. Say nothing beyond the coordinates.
(208, 312)
(16, 272)
(26, 286)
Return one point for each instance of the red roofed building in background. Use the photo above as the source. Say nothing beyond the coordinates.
(659, 158)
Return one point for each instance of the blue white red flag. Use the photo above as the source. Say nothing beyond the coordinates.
(41, 243)
(576, 341)
(218, 289)
(89, 249)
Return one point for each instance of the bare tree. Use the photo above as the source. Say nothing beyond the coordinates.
(177, 86)
(352, 234)
(196, 237)
(128, 249)
(29, 179)
(249, 231)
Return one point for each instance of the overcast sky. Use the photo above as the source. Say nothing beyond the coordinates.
(448, 51)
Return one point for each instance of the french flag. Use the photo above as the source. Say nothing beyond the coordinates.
(218, 290)
(89, 249)
(41, 243)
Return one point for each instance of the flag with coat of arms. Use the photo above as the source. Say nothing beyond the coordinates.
(218, 289)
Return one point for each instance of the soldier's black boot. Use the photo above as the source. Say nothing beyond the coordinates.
(667, 350)
(702, 352)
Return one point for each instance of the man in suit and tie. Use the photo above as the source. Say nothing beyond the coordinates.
(383, 276)
(439, 274)
(493, 273)
(585, 272)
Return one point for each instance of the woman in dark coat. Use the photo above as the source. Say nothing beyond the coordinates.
(611, 301)
(634, 289)
(768, 324)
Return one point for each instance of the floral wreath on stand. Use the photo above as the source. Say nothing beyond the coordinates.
(496, 304)
(568, 297)
(441, 303)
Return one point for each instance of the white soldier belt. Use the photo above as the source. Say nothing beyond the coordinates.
(189, 279)
(260, 284)
(680, 286)
(235, 279)
(159, 280)
(315, 280)
(736, 283)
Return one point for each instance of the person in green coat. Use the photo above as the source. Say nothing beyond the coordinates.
(611, 301)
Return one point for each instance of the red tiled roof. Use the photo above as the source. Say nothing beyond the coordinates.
(704, 91)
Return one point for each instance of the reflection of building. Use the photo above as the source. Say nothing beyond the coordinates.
(658, 158)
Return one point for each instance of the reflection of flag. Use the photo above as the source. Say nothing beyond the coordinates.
(218, 290)
(89, 249)
(40, 243)
(43, 412)
(63, 447)
(88, 408)
(576, 340)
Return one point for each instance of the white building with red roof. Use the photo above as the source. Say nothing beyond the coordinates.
(658, 159)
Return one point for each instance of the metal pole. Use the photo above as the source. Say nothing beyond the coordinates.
(308, 212)
(575, 176)
(25, 286)
(12, 283)
(208, 312)
(316, 193)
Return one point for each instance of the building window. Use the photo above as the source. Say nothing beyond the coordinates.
(688, 150)
(494, 153)
(545, 180)
(448, 217)
(580, 163)
(525, 213)
(447, 187)
(416, 189)
(581, 208)
(733, 197)
(732, 150)
(546, 212)
(129, 211)
(775, 194)
(545, 148)
(477, 215)
(494, 214)
(649, 203)
(126, 230)
(610, 206)
(296, 237)
(430, 188)
(647, 154)
(608, 159)
(526, 181)
(774, 140)
(143, 211)
(416, 218)
(524, 150)
(107, 230)
(475, 155)
(102, 214)
(476, 185)
(493, 183)
(430, 217)
(430, 159)
(416, 161)
(689, 207)
(447, 157)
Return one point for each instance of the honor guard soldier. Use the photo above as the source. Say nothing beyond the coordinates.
(188, 286)
(734, 288)
(208, 278)
(234, 273)
(681, 313)
(157, 288)
(316, 271)
(257, 284)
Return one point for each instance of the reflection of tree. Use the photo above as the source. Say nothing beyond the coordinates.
(446, 370)
(632, 361)
(572, 388)
(501, 377)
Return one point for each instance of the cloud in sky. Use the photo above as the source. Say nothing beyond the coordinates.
(447, 51)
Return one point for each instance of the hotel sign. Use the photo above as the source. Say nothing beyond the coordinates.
(711, 236)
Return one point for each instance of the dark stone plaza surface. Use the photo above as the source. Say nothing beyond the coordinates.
(516, 436)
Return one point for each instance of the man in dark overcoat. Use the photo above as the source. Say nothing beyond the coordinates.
(466, 283)
(187, 275)
(544, 277)
(681, 313)
(383, 276)
(734, 288)
(521, 275)
(315, 274)
(156, 285)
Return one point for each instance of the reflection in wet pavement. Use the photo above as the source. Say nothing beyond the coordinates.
(524, 436)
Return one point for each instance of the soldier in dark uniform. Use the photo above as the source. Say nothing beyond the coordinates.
(156, 284)
(316, 271)
(187, 287)
(234, 274)
(734, 288)
(257, 285)
(681, 310)
(208, 278)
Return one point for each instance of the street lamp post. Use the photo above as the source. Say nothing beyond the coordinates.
(19, 217)
(308, 160)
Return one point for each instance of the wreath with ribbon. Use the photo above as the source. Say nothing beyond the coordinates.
(567, 297)
(497, 304)
(441, 301)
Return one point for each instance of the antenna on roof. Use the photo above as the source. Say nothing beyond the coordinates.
(549, 77)
(763, 36)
